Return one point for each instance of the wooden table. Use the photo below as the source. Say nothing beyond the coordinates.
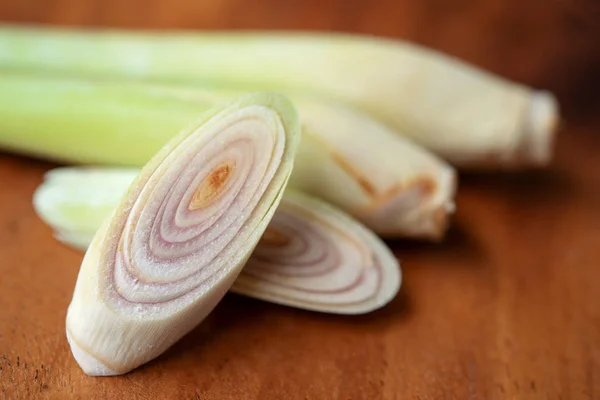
(507, 307)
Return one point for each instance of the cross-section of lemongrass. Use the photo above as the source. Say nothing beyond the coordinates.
(312, 255)
(467, 115)
(315, 257)
(181, 234)
(392, 185)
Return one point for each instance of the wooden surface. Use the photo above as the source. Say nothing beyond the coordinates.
(506, 308)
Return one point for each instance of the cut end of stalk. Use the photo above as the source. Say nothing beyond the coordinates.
(421, 209)
(435, 216)
(444, 205)
(541, 125)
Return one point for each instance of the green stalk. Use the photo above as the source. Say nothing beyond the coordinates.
(393, 186)
(468, 116)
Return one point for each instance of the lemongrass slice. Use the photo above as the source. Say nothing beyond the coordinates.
(363, 167)
(315, 257)
(467, 115)
(312, 256)
(181, 234)
(74, 201)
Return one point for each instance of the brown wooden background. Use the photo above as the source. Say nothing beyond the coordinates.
(508, 307)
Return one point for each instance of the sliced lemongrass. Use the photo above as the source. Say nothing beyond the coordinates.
(181, 234)
(75, 201)
(312, 255)
(467, 115)
(390, 184)
(315, 257)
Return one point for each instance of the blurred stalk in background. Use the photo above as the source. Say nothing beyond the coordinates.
(544, 43)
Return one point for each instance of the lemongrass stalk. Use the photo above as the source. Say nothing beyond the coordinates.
(312, 256)
(392, 185)
(181, 233)
(468, 116)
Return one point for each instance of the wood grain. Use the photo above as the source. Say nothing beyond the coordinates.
(506, 308)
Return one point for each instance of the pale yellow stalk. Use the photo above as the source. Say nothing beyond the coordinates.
(392, 185)
(469, 116)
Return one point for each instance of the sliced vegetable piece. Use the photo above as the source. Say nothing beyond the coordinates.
(181, 234)
(312, 256)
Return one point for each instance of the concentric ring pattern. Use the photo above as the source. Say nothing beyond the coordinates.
(315, 257)
(189, 218)
(181, 234)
